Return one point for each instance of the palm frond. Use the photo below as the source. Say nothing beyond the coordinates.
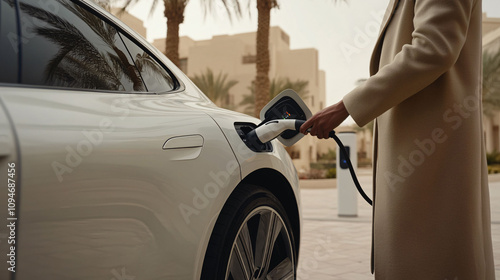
(277, 85)
(216, 87)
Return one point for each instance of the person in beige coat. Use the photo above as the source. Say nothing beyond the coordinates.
(431, 212)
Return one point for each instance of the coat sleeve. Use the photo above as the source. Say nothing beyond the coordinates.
(440, 31)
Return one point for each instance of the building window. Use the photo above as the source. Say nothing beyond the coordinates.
(295, 154)
(249, 59)
(183, 65)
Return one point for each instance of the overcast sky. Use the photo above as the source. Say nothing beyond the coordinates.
(343, 34)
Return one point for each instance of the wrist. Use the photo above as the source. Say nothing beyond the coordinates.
(343, 110)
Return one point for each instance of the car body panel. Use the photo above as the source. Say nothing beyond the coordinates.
(96, 182)
(250, 161)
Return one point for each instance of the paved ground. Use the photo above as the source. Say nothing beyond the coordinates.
(339, 248)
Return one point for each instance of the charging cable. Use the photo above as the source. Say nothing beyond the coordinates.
(274, 128)
(349, 165)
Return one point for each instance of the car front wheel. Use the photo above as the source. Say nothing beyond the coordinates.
(252, 239)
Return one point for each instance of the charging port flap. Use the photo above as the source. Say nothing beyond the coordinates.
(286, 105)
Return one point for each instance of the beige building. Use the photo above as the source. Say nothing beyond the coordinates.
(234, 55)
(491, 44)
(136, 24)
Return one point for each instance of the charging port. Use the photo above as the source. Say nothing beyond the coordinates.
(243, 129)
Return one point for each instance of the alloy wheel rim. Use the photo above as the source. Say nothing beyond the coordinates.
(262, 248)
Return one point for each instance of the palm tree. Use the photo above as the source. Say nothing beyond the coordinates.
(277, 85)
(215, 87)
(174, 12)
(262, 83)
(491, 82)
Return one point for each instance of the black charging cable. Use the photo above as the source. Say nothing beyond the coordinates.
(343, 150)
(349, 165)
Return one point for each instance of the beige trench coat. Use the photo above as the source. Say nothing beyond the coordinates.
(431, 208)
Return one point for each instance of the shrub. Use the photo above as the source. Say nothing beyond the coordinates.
(331, 173)
(493, 169)
(493, 158)
(316, 174)
(329, 156)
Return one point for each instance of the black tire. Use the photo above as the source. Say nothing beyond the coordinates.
(252, 239)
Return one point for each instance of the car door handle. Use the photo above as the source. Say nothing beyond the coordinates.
(184, 147)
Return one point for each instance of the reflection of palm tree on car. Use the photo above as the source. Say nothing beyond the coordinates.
(145, 63)
(78, 63)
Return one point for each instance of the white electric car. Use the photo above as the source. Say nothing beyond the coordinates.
(113, 165)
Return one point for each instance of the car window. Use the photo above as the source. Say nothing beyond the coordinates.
(66, 45)
(156, 78)
(9, 47)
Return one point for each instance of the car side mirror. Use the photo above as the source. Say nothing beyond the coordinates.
(286, 105)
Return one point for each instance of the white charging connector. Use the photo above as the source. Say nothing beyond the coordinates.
(274, 128)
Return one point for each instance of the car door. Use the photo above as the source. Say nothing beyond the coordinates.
(112, 173)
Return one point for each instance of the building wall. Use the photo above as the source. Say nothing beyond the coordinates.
(136, 24)
(491, 43)
(235, 55)
(490, 24)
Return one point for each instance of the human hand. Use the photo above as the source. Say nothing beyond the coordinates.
(325, 120)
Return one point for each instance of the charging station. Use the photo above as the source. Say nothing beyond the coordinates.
(347, 195)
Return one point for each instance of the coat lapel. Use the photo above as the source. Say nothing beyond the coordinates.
(374, 62)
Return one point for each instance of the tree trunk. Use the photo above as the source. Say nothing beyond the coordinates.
(262, 79)
(172, 41)
(174, 12)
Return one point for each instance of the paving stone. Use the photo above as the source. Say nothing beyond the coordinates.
(337, 248)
